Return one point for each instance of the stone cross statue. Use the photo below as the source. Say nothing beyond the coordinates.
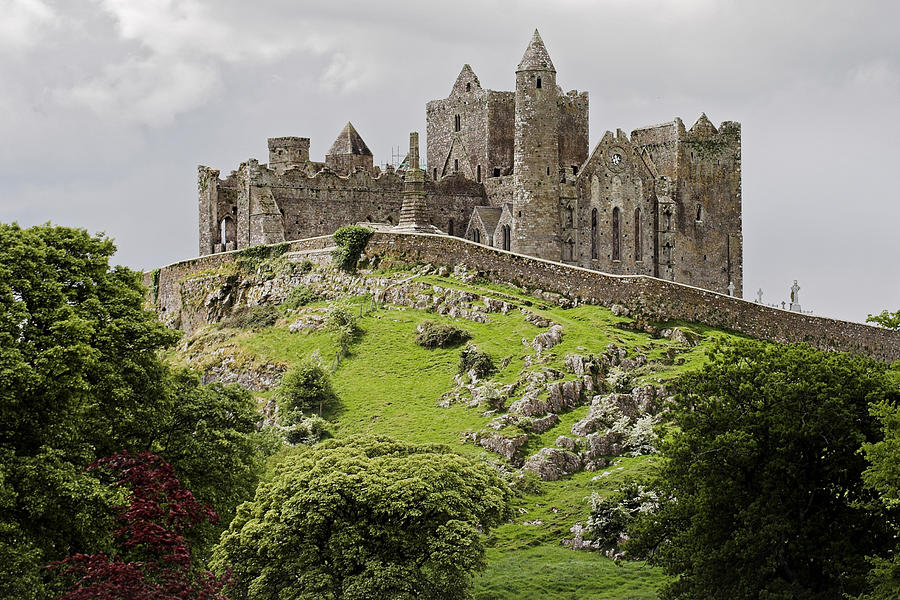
(759, 295)
(795, 297)
(731, 288)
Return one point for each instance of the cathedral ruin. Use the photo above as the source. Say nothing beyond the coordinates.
(513, 170)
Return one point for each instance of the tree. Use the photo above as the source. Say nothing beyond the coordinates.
(889, 320)
(365, 518)
(211, 436)
(305, 388)
(153, 558)
(81, 377)
(766, 474)
(883, 475)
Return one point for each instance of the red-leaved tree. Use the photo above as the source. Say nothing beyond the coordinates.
(153, 558)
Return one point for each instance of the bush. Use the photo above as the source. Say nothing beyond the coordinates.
(611, 517)
(433, 335)
(307, 430)
(304, 388)
(305, 266)
(299, 296)
(344, 325)
(472, 359)
(351, 241)
(256, 317)
(619, 380)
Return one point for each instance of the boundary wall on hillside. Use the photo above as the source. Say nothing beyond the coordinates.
(656, 298)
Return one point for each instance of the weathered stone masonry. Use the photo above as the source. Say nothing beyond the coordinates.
(657, 298)
(512, 169)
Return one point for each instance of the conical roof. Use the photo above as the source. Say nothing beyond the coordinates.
(349, 142)
(536, 57)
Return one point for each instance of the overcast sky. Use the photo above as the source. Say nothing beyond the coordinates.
(108, 106)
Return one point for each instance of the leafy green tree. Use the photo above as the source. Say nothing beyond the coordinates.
(81, 377)
(210, 434)
(365, 518)
(304, 388)
(890, 320)
(883, 475)
(766, 474)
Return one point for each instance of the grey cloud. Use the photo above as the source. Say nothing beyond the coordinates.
(105, 120)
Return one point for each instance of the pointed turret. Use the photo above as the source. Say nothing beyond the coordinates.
(349, 152)
(536, 57)
(536, 226)
(349, 142)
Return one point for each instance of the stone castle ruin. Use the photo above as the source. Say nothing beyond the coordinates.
(510, 170)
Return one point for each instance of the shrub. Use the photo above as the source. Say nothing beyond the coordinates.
(619, 380)
(611, 517)
(433, 335)
(524, 482)
(304, 388)
(473, 360)
(256, 317)
(350, 240)
(307, 430)
(305, 266)
(344, 325)
(299, 296)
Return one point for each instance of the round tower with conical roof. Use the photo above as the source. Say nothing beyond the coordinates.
(536, 227)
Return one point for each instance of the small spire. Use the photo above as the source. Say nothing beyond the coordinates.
(536, 57)
(349, 142)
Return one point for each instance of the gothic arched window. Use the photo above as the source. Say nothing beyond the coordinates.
(507, 237)
(616, 255)
(227, 231)
(638, 236)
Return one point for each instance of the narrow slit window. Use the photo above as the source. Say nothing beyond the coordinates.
(595, 252)
(496, 171)
(538, 82)
(478, 174)
(638, 234)
(456, 165)
(616, 255)
(457, 123)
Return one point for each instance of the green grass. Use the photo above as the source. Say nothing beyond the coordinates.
(557, 573)
(391, 386)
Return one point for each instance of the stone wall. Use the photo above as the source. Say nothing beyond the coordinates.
(655, 298)
(573, 130)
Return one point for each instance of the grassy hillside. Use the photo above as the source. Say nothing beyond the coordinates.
(389, 385)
